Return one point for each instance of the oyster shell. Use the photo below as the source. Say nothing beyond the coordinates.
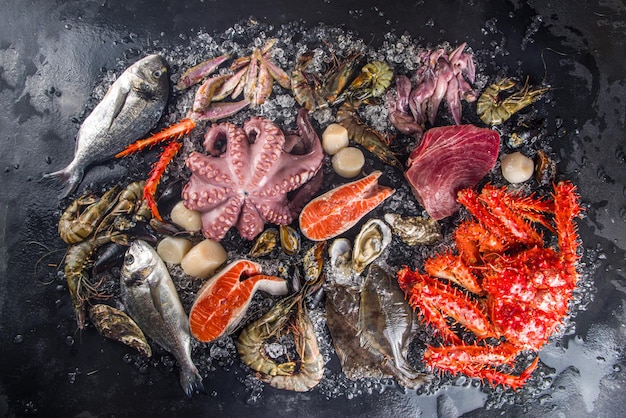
(414, 230)
(116, 325)
(340, 253)
(372, 240)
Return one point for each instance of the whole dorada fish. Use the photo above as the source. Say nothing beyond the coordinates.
(151, 300)
(130, 108)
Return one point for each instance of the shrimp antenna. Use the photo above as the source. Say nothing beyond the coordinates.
(545, 67)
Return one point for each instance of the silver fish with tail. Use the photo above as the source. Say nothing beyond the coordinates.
(150, 298)
(130, 108)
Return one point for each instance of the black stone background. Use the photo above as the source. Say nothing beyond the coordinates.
(51, 56)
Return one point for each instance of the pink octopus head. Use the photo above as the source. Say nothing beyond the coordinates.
(249, 172)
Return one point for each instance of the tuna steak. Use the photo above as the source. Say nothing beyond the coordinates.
(449, 159)
(130, 108)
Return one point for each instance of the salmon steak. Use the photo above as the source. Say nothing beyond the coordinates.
(339, 209)
(223, 300)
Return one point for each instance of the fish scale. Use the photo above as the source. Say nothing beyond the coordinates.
(131, 107)
(150, 298)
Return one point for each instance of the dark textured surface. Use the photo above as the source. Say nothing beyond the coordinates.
(51, 57)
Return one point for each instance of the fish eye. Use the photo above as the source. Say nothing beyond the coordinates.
(157, 73)
(129, 260)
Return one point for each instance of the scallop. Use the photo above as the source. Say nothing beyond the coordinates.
(374, 237)
(517, 168)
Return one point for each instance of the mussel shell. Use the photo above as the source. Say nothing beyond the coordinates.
(545, 169)
(116, 325)
(109, 256)
(372, 240)
(289, 239)
(265, 243)
(414, 230)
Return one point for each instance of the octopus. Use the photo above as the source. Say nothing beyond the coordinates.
(248, 175)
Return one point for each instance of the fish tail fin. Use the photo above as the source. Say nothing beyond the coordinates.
(70, 177)
(190, 380)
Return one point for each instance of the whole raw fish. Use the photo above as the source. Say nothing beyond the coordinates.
(130, 108)
(151, 300)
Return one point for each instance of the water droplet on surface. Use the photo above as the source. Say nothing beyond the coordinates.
(18, 339)
(69, 341)
(68, 26)
(71, 377)
(603, 176)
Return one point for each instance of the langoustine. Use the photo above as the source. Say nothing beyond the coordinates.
(287, 316)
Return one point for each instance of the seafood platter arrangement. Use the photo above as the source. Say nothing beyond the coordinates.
(310, 198)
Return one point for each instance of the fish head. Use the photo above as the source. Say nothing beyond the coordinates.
(140, 261)
(150, 77)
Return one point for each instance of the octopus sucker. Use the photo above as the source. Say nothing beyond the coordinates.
(267, 173)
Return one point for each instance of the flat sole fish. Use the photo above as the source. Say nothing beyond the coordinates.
(131, 107)
(339, 209)
(151, 300)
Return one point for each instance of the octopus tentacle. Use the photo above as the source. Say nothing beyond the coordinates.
(250, 222)
(216, 223)
(245, 179)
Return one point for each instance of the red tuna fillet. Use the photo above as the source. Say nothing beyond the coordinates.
(449, 159)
